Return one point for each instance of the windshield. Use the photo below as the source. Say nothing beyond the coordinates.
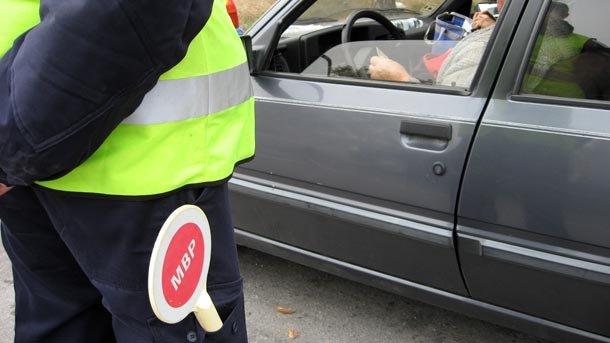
(339, 10)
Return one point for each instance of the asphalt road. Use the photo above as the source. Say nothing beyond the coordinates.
(327, 309)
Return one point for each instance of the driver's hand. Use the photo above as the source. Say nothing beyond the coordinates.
(482, 20)
(4, 189)
(382, 68)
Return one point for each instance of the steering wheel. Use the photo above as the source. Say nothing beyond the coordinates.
(346, 34)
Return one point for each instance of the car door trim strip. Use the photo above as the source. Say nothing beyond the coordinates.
(543, 261)
(545, 129)
(404, 227)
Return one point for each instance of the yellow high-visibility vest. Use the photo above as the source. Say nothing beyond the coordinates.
(559, 78)
(192, 128)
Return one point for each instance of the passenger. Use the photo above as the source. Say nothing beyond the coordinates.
(459, 67)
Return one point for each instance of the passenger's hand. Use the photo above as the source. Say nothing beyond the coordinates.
(382, 68)
(482, 20)
(4, 189)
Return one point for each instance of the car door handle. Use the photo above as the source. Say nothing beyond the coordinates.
(426, 128)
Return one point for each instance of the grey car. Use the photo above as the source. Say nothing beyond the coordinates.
(488, 195)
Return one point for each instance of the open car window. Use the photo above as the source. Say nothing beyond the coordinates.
(443, 50)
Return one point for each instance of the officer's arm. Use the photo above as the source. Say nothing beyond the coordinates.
(68, 82)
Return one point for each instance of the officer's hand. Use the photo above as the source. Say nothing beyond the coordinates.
(4, 189)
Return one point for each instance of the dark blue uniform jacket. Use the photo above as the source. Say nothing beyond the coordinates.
(69, 81)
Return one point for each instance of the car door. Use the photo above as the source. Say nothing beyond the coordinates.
(359, 171)
(533, 215)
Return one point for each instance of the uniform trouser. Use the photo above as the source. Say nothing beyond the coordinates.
(80, 267)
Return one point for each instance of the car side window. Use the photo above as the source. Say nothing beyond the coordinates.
(406, 41)
(571, 55)
(249, 11)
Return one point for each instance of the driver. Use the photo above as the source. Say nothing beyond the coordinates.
(459, 67)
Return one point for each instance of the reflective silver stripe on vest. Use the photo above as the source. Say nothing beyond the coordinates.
(177, 100)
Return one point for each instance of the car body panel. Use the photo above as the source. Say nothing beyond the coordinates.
(346, 233)
(316, 134)
(533, 220)
(345, 141)
(333, 136)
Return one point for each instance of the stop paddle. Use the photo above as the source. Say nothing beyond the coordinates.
(178, 270)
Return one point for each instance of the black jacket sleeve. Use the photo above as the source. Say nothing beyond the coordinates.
(70, 80)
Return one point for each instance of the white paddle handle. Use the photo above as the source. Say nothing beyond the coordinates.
(206, 313)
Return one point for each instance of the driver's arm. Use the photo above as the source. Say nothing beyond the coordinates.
(385, 69)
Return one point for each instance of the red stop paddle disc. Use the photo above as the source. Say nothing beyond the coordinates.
(179, 264)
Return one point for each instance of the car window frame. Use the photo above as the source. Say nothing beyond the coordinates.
(516, 94)
(293, 15)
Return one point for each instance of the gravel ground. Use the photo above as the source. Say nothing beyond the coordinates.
(7, 304)
(327, 309)
(334, 310)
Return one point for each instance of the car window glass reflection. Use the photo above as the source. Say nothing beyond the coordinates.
(571, 58)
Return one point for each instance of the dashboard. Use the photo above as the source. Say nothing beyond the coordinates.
(295, 54)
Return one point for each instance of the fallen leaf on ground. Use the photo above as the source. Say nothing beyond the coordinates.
(293, 334)
(285, 310)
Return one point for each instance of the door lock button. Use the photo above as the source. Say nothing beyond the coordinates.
(439, 168)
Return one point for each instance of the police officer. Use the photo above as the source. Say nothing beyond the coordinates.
(112, 115)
